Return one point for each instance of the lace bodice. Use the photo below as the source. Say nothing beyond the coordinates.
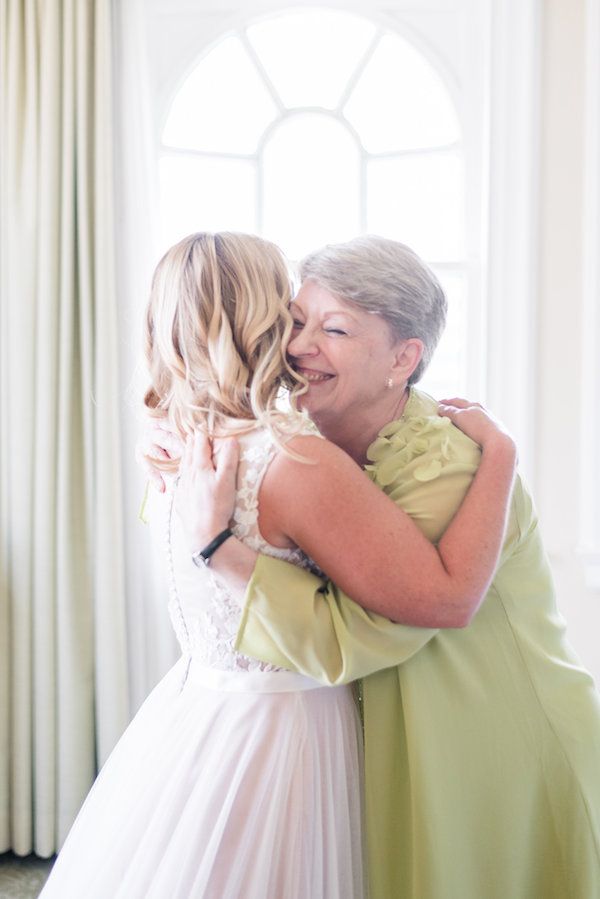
(204, 614)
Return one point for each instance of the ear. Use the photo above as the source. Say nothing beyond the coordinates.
(408, 354)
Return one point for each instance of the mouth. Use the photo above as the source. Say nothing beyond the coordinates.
(313, 376)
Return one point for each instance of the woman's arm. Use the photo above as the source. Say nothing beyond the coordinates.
(292, 619)
(381, 559)
(372, 549)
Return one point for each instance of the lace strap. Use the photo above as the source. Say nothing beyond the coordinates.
(255, 459)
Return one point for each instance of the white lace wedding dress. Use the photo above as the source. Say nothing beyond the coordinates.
(235, 779)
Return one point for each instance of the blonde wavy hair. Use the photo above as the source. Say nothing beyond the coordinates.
(216, 328)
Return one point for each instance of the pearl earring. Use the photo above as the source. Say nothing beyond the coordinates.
(389, 383)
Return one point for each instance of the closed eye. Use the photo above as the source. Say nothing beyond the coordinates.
(335, 331)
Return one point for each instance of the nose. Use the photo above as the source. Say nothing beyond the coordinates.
(303, 343)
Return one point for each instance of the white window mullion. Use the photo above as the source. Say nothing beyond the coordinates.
(363, 192)
(352, 81)
(260, 193)
(261, 70)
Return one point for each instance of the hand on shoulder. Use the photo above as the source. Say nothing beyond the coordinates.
(478, 423)
(157, 443)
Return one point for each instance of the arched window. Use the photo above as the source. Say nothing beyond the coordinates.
(312, 126)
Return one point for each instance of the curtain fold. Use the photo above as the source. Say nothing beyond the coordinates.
(63, 675)
(152, 647)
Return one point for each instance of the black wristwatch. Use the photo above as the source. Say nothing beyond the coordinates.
(201, 558)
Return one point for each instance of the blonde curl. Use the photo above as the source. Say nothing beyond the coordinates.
(216, 328)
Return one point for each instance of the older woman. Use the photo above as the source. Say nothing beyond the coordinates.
(482, 744)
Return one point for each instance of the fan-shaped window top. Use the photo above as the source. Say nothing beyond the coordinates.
(340, 126)
(400, 102)
(311, 126)
(310, 56)
(224, 106)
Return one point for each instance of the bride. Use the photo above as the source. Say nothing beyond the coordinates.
(237, 778)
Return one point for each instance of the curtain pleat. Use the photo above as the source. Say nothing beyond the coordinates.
(63, 690)
(152, 648)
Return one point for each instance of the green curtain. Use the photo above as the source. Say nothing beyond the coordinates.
(63, 673)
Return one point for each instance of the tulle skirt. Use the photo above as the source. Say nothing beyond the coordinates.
(236, 784)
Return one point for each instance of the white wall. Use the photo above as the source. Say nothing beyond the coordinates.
(561, 322)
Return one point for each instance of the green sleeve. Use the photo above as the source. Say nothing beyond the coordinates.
(293, 619)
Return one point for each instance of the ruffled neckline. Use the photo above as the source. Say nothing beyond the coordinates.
(418, 431)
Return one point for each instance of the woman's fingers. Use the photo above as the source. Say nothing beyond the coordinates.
(185, 464)
(226, 455)
(460, 403)
(447, 411)
(153, 474)
(202, 456)
(171, 443)
(457, 401)
(143, 450)
(206, 496)
(158, 443)
(475, 421)
(157, 452)
(157, 440)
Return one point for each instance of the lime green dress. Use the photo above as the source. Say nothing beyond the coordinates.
(482, 744)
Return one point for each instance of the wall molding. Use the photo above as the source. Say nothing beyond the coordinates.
(589, 529)
(514, 139)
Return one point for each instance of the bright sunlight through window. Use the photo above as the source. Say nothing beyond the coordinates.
(312, 127)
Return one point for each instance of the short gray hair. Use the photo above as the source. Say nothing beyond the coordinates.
(386, 277)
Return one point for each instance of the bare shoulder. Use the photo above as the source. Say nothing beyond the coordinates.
(311, 456)
(312, 469)
(299, 476)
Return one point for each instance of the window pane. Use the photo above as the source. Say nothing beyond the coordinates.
(309, 56)
(311, 178)
(206, 195)
(223, 106)
(419, 200)
(447, 373)
(400, 102)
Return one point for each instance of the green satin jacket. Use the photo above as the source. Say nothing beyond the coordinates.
(482, 744)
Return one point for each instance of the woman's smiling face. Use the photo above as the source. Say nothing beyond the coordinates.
(346, 353)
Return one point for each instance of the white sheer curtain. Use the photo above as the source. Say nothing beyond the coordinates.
(151, 644)
(63, 677)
